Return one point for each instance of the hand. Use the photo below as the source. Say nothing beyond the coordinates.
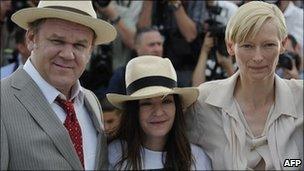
(109, 11)
(225, 62)
(293, 73)
(208, 43)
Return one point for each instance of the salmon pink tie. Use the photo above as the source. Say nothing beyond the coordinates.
(72, 125)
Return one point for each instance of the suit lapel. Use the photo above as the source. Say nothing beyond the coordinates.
(95, 113)
(34, 101)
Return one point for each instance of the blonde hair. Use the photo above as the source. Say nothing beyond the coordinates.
(249, 18)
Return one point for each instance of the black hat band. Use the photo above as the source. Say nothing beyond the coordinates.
(150, 81)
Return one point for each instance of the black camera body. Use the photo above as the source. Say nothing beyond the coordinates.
(103, 3)
(285, 60)
(217, 30)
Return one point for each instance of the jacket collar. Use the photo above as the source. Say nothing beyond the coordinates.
(222, 97)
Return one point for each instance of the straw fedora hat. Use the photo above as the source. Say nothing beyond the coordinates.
(81, 12)
(151, 76)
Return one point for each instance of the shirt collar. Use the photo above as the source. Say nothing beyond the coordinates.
(47, 89)
(224, 89)
(284, 103)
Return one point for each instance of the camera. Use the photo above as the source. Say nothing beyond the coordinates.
(285, 60)
(217, 31)
(103, 3)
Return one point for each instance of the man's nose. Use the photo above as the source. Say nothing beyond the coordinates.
(158, 49)
(67, 52)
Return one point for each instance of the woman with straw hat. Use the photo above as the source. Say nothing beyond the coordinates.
(152, 130)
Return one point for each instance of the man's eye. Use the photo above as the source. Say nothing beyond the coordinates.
(56, 42)
(79, 46)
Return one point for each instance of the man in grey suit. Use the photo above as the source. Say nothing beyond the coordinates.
(48, 121)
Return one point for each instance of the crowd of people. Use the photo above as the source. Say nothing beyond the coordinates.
(173, 84)
(193, 38)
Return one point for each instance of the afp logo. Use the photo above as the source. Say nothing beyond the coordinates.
(292, 163)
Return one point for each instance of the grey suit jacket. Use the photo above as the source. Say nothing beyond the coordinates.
(32, 136)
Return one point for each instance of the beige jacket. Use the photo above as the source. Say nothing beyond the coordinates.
(214, 124)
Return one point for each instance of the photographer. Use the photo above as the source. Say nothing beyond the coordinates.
(288, 66)
(6, 32)
(211, 66)
(20, 54)
(294, 19)
(290, 63)
(123, 14)
(8, 28)
(107, 58)
(220, 11)
(180, 23)
(214, 61)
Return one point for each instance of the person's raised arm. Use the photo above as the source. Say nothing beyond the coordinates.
(145, 16)
(226, 63)
(185, 24)
(198, 76)
(126, 34)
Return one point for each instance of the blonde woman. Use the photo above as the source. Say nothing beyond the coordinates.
(254, 119)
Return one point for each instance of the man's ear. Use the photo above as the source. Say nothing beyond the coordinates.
(30, 40)
(230, 48)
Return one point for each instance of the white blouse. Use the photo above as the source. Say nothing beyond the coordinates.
(153, 159)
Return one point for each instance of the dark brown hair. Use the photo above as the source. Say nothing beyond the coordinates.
(130, 134)
(35, 25)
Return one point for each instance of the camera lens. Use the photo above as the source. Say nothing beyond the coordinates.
(285, 61)
(103, 3)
